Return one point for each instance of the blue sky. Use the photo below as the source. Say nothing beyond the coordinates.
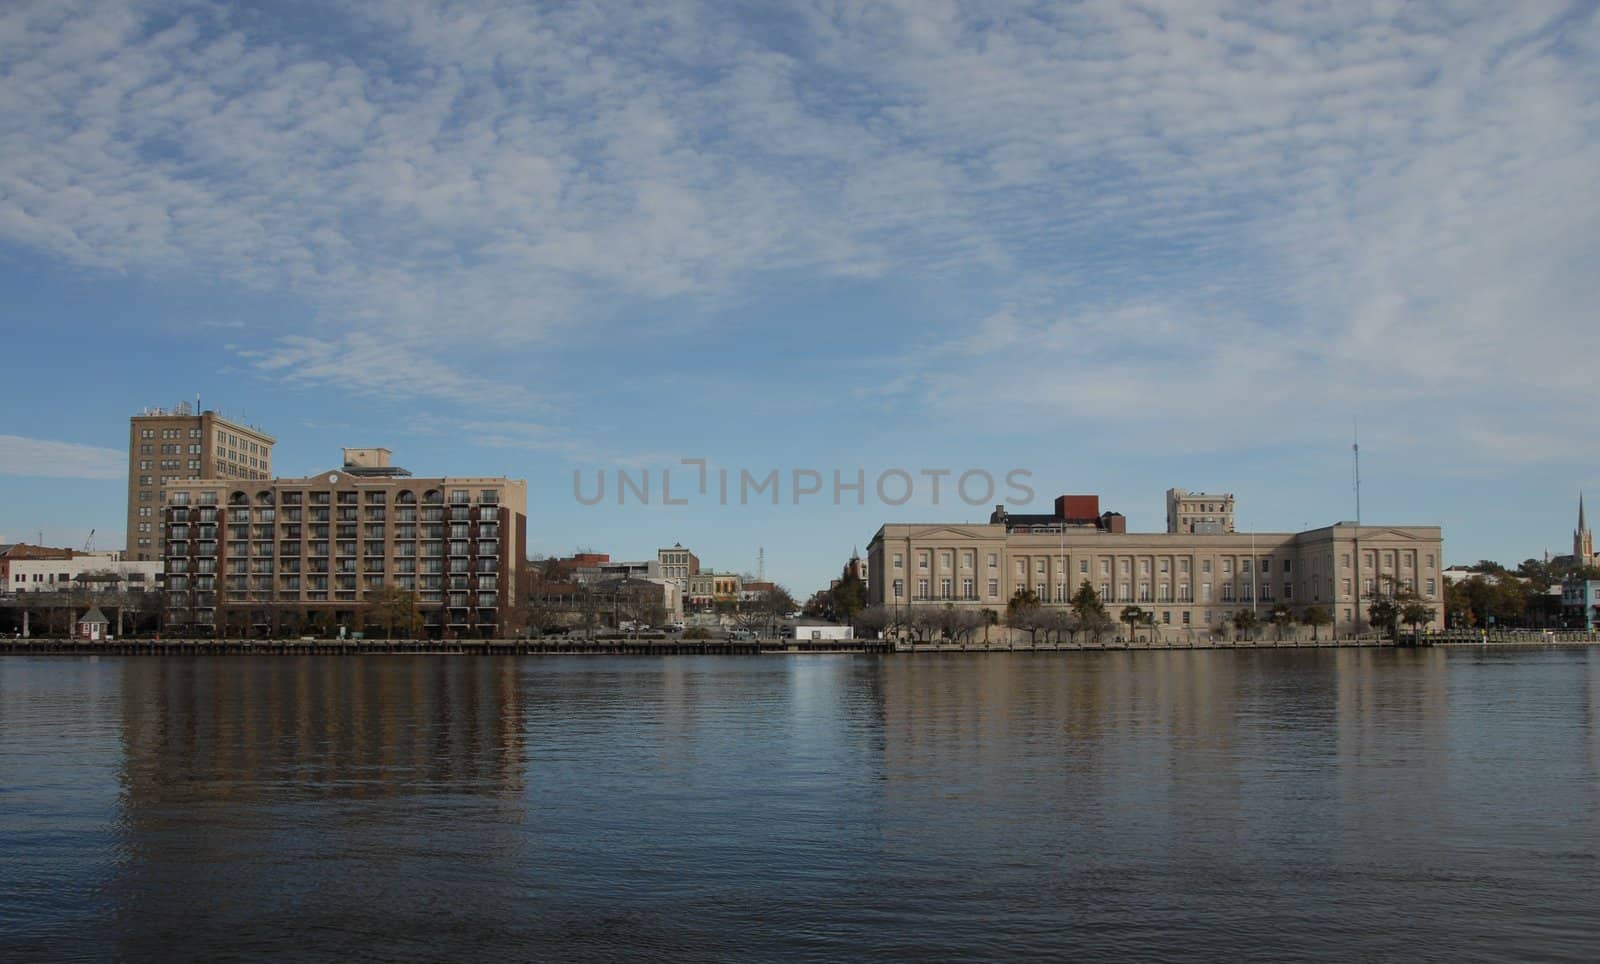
(1120, 246)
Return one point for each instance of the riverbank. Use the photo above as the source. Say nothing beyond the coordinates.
(562, 646)
(578, 646)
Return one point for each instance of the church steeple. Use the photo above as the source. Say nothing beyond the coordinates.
(1582, 541)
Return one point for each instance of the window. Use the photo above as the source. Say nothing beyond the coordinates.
(1183, 566)
(922, 560)
(1166, 566)
(1205, 566)
(1105, 567)
(1286, 564)
(1288, 590)
(1431, 586)
(968, 559)
(1040, 591)
(1344, 588)
(1127, 566)
(994, 560)
(1227, 592)
(897, 560)
(1083, 566)
(1125, 591)
(1144, 567)
(922, 589)
(1144, 592)
(945, 560)
(1428, 560)
(1227, 567)
(1205, 592)
(1266, 565)
(1038, 567)
(1105, 592)
(1166, 616)
(1022, 567)
(994, 588)
(944, 588)
(966, 588)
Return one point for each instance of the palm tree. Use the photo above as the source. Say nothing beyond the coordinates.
(1316, 617)
(1132, 615)
(1280, 617)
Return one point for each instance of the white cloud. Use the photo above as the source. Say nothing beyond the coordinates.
(59, 460)
(1214, 215)
(375, 366)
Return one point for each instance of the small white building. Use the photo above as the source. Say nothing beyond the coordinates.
(809, 629)
(92, 625)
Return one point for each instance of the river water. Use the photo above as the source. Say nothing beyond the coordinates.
(1270, 805)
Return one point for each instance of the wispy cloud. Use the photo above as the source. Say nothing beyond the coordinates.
(44, 458)
(1204, 224)
(371, 365)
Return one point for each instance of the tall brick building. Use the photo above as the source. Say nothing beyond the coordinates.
(181, 444)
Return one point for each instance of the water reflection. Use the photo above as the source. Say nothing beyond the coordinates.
(1151, 805)
(243, 729)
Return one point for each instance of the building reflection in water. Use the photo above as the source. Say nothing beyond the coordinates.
(229, 730)
(276, 794)
(1210, 758)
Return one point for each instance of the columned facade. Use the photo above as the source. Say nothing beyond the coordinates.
(1194, 582)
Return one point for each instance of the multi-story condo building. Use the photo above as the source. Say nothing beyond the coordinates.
(180, 444)
(1199, 512)
(1194, 581)
(265, 556)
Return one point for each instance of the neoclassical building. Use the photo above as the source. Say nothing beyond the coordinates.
(1189, 580)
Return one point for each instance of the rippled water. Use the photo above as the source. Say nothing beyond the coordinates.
(1268, 805)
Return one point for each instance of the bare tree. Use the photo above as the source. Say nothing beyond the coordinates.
(1029, 617)
(392, 608)
(1059, 621)
(873, 619)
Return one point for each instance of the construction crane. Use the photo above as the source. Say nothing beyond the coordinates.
(88, 544)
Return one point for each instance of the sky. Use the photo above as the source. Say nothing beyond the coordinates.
(1114, 246)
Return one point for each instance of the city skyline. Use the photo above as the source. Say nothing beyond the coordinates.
(1121, 250)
